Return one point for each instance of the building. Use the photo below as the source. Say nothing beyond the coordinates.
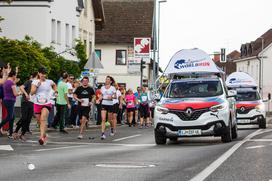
(124, 20)
(256, 60)
(230, 66)
(48, 22)
(91, 19)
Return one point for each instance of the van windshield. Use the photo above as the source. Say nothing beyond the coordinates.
(195, 89)
(247, 96)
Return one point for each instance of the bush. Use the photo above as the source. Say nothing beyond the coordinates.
(29, 56)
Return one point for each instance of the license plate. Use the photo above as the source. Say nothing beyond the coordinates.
(189, 132)
(244, 121)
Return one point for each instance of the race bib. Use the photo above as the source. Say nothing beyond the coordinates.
(130, 103)
(41, 99)
(85, 102)
(144, 98)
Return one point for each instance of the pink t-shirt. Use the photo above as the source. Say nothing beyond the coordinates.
(130, 101)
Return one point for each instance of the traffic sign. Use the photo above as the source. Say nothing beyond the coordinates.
(142, 47)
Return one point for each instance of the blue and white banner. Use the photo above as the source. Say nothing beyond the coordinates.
(191, 61)
(240, 79)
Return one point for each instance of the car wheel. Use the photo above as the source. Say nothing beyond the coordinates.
(262, 123)
(227, 137)
(234, 132)
(160, 137)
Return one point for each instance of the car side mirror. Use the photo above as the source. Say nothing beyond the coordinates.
(232, 93)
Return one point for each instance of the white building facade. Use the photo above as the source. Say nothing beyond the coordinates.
(51, 23)
(115, 59)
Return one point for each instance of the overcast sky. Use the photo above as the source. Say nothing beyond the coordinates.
(211, 24)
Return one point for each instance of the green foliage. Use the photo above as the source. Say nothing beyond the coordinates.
(81, 54)
(29, 56)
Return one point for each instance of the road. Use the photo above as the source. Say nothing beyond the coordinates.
(132, 155)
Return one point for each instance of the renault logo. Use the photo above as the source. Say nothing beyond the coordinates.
(242, 109)
(189, 112)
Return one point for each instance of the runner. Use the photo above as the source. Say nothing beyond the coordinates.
(26, 108)
(108, 94)
(84, 95)
(144, 108)
(41, 88)
(117, 106)
(131, 102)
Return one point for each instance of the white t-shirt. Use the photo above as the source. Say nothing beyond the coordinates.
(107, 95)
(118, 94)
(43, 94)
(70, 87)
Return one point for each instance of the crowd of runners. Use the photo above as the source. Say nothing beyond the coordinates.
(69, 103)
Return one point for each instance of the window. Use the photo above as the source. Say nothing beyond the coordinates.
(98, 53)
(191, 89)
(121, 57)
(67, 35)
(53, 31)
(58, 32)
(73, 35)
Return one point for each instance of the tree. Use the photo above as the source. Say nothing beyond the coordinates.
(81, 54)
(29, 56)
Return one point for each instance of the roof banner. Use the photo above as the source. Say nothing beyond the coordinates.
(240, 79)
(193, 61)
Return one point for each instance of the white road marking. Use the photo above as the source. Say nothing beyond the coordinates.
(59, 148)
(253, 147)
(128, 137)
(124, 166)
(6, 148)
(101, 144)
(214, 165)
(261, 140)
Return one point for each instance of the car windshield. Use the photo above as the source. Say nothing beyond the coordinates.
(247, 96)
(195, 89)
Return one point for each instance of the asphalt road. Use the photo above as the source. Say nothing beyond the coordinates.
(132, 155)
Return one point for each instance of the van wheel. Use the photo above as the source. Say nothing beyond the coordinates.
(227, 137)
(262, 123)
(160, 137)
(234, 132)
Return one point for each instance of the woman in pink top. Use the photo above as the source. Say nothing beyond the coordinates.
(131, 101)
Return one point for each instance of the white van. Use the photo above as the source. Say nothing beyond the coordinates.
(196, 102)
(250, 108)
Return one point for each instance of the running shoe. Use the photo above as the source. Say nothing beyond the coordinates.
(80, 136)
(43, 140)
(103, 136)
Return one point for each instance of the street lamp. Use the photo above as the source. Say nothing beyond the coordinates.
(158, 57)
(261, 69)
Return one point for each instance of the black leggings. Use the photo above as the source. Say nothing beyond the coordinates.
(27, 114)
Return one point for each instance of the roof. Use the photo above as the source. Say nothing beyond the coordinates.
(233, 55)
(99, 16)
(126, 19)
(253, 48)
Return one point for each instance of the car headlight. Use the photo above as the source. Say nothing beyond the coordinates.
(162, 110)
(260, 107)
(219, 107)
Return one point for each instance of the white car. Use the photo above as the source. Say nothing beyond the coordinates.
(250, 107)
(196, 107)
